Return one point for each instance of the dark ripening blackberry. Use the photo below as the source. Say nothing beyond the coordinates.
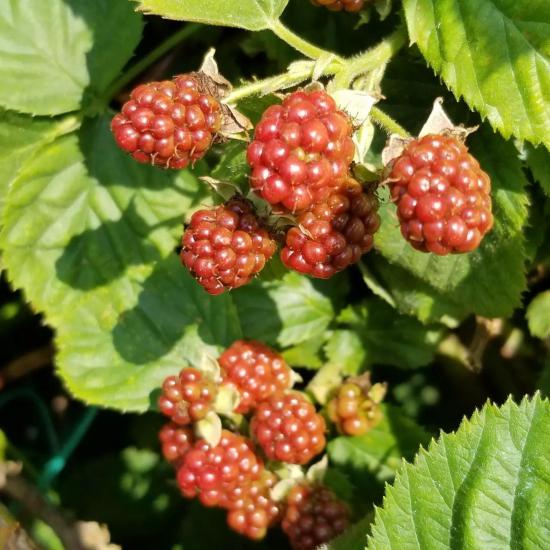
(211, 473)
(175, 441)
(255, 370)
(314, 515)
(301, 152)
(170, 123)
(224, 247)
(351, 6)
(442, 195)
(187, 397)
(288, 428)
(251, 510)
(333, 234)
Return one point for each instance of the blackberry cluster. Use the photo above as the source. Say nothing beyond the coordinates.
(288, 428)
(256, 371)
(210, 473)
(224, 247)
(442, 195)
(313, 516)
(251, 510)
(187, 398)
(301, 151)
(352, 6)
(175, 441)
(333, 234)
(355, 409)
(170, 123)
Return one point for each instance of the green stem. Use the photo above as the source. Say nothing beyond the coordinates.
(387, 123)
(149, 59)
(298, 43)
(278, 82)
(371, 59)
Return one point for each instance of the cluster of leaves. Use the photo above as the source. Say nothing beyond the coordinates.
(89, 236)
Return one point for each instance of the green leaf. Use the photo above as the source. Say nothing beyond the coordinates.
(538, 160)
(345, 348)
(20, 137)
(89, 235)
(378, 454)
(538, 315)
(389, 338)
(285, 311)
(411, 295)
(253, 15)
(486, 486)
(56, 55)
(490, 280)
(306, 354)
(493, 53)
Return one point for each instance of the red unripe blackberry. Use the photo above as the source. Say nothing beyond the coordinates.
(170, 123)
(211, 473)
(288, 428)
(333, 234)
(187, 397)
(442, 195)
(339, 5)
(224, 247)
(255, 370)
(301, 152)
(314, 515)
(175, 441)
(251, 510)
(356, 410)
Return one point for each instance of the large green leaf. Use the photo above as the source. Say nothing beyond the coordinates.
(538, 315)
(253, 15)
(538, 160)
(490, 280)
(284, 311)
(89, 235)
(493, 53)
(388, 338)
(20, 137)
(411, 295)
(55, 55)
(487, 486)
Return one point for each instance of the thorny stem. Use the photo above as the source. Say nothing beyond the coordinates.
(298, 43)
(164, 47)
(387, 123)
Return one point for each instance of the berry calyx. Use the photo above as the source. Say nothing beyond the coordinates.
(224, 247)
(442, 195)
(211, 473)
(314, 515)
(187, 397)
(255, 370)
(355, 409)
(170, 123)
(333, 234)
(288, 428)
(175, 441)
(251, 510)
(301, 152)
(351, 6)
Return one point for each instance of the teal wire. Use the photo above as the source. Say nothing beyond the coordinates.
(43, 414)
(56, 463)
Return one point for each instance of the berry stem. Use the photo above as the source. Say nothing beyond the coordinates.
(387, 123)
(164, 47)
(278, 82)
(298, 43)
(371, 59)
